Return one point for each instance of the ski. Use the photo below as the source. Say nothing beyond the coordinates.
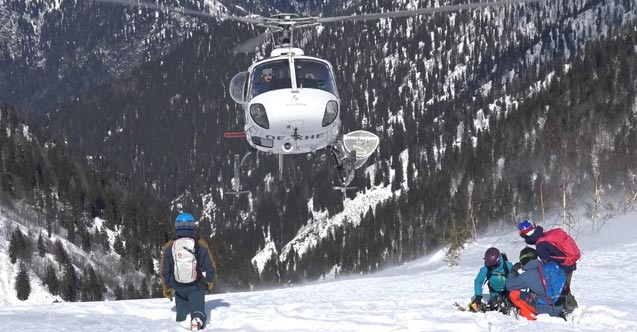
(460, 307)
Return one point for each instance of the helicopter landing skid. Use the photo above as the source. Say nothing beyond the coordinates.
(236, 180)
(346, 165)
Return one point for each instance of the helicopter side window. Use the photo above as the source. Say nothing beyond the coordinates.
(314, 75)
(270, 76)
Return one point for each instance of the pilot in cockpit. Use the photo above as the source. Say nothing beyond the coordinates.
(267, 75)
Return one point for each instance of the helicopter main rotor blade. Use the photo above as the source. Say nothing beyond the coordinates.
(250, 45)
(217, 14)
(420, 11)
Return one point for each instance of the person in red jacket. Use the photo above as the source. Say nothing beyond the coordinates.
(549, 251)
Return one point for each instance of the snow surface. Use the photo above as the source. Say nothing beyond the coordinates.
(414, 297)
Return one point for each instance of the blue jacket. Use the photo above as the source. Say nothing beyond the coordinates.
(529, 279)
(547, 251)
(205, 262)
(497, 280)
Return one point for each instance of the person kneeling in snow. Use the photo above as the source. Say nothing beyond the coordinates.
(537, 288)
(557, 246)
(184, 261)
(494, 272)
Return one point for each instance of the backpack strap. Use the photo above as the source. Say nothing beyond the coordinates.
(490, 272)
(546, 293)
(167, 245)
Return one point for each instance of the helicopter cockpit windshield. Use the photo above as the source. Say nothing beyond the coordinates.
(313, 75)
(270, 76)
(309, 74)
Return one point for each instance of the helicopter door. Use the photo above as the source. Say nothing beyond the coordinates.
(238, 86)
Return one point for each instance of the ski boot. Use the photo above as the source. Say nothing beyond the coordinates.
(196, 324)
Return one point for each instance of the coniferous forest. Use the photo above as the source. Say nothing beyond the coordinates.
(485, 118)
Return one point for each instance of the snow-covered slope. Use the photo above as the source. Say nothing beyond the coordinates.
(108, 265)
(414, 297)
(9, 271)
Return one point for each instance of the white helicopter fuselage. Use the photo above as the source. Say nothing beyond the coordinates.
(303, 112)
(295, 121)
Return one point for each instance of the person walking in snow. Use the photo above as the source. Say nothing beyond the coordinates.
(187, 271)
(554, 246)
(494, 273)
(528, 289)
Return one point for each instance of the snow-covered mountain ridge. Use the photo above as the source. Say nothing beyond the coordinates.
(57, 49)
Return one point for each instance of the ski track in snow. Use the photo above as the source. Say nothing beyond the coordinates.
(415, 297)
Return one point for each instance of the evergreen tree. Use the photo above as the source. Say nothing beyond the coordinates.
(51, 280)
(70, 284)
(13, 249)
(90, 287)
(19, 247)
(60, 254)
(143, 290)
(106, 246)
(156, 291)
(22, 283)
(41, 246)
(86, 241)
(118, 293)
(118, 246)
(131, 292)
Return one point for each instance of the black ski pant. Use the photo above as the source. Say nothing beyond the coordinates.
(570, 302)
(190, 300)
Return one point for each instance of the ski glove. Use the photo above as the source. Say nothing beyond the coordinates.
(169, 293)
(211, 284)
(476, 304)
(516, 269)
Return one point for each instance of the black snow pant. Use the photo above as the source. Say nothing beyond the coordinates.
(190, 300)
(570, 303)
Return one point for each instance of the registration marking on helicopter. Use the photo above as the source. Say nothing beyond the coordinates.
(298, 137)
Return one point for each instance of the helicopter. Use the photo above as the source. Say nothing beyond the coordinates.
(292, 106)
(290, 100)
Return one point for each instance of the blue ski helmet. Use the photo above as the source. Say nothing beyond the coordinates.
(492, 257)
(185, 221)
(526, 228)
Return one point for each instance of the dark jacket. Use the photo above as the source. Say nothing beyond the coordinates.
(546, 251)
(205, 261)
(529, 279)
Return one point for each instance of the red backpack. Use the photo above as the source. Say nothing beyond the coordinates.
(565, 243)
